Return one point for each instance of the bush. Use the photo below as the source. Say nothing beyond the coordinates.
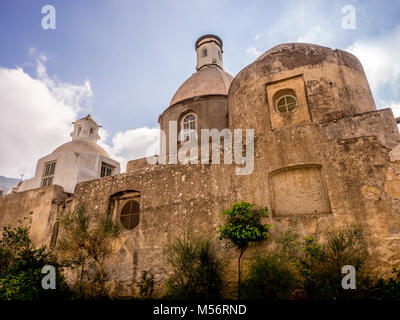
(321, 265)
(382, 289)
(270, 278)
(21, 266)
(146, 285)
(196, 269)
(84, 248)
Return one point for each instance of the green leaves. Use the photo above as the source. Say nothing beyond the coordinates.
(196, 269)
(21, 266)
(243, 225)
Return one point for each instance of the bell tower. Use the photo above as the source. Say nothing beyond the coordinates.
(86, 128)
(209, 51)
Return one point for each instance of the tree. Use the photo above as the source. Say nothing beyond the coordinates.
(83, 246)
(243, 226)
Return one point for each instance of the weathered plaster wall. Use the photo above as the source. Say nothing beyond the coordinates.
(352, 148)
(44, 203)
(174, 199)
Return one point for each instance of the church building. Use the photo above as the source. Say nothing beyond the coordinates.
(324, 157)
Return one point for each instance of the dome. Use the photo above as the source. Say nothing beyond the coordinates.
(288, 56)
(294, 47)
(81, 146)
(209, 80)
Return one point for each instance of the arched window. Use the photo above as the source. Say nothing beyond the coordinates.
(130, 214)
(91, 133)
(79, 131)
(189, 127)
(286, 103)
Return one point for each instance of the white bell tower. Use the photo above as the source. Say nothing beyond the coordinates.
(86, 128)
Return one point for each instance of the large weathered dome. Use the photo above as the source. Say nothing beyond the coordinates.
(81, 146)
(209, 80)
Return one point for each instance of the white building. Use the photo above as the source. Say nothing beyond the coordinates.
(79, 160)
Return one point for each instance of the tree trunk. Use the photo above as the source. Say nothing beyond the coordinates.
(81, 281)
(239, 274)
(101, 274)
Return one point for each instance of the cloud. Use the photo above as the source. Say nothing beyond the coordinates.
(312, 24)
(381, 60)
(36, 115)
(257, 36)
(131, 144)
(253, 52)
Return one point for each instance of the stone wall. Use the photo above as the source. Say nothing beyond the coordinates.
(44, 204)
(174, 199)
(335, 163)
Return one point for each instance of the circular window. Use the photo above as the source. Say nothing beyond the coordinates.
(130, 214)
(286, 103)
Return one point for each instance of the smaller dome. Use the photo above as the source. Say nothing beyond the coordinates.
(210, 79)
(81, 146)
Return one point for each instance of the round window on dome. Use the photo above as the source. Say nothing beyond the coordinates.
(129, 216)
(285, 102)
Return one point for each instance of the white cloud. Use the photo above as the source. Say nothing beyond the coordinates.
(395, 106)
(257, 36)
(131, 144)
(381, 61)
(312, 24)
(253, 52)
(36, 116)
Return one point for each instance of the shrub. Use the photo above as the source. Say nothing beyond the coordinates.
(321, 265)
(270, 278)
(146, 285)
(383, 289)
(86, 248)
(196, 269)
(21, 266)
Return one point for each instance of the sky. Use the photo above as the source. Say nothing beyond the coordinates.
(122, 61)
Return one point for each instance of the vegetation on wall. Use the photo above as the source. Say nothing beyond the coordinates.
(243, 227)
(146, 285)
(288, 267)
(21, 266)
(85, 247)
(321, 264)
(196, 269)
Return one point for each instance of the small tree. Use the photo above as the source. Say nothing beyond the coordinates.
(243, 227)
(82, 246)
